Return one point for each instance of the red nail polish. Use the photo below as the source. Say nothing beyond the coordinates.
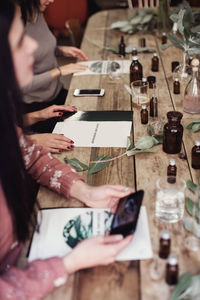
(72, 142)
(60, 113)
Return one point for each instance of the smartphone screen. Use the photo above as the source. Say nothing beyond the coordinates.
(126, 216)
(82, 92)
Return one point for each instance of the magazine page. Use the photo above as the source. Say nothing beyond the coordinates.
(62, 228)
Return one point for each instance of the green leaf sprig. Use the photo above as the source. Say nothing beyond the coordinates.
(129, 49)
(194, 126)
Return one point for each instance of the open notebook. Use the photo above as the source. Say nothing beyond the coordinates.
(97, 128)
(62, 228)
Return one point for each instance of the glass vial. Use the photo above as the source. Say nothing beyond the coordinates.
(154, 106)
(144, 84)
(136, 70)
(144, 114)
(173, 133)
(164, 38)
(143, 43)
(171, 171)
(176, 86)
(191, 101)
(155, 63)
(151, 80)
(122, 47)
(165, 242)
(196, 155)
(172, 270)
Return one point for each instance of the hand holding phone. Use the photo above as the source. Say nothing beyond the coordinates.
(89, 92)
(125, 219)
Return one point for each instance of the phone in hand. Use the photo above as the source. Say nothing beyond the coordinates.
(89, 92)
(126, 216)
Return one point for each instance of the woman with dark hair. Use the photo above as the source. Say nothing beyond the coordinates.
(19, 156)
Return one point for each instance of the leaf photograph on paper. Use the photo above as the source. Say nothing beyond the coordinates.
(97, 128)
(62, 229)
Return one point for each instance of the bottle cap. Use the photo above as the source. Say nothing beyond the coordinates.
(155, 54)
(165, 234)
(197, 143)
(135, 57)
(144, 79)
(174, 65)
(174, 115)
(172, 260)
(176, 79)
(144, 106)
(172, 162)
(151, 79)
(164, 33)
(195, 62)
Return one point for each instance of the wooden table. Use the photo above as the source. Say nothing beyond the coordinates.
(131, 279)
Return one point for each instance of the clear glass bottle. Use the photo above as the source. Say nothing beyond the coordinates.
(154, 106)
(176, 86)
(172, 270)
(165, 243)
(196, 155)
(144, 114)
(122, 47)
(136, 70)
(191, 101)
(155, 63)
(173, 133)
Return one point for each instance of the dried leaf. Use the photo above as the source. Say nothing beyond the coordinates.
(79, 166)
(99, 164)
(195, 127)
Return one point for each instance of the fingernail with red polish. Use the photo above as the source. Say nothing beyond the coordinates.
(60, 113)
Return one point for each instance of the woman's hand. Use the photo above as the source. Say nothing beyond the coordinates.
(71, 68)
(55, 143)
(95, 251)
(72, 52)
(104, 196)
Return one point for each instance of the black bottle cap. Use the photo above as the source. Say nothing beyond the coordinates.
(151, 79)
(174, 115)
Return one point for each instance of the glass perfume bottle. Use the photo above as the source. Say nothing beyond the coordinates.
(191, 101)
(173, 133)
(136, 70)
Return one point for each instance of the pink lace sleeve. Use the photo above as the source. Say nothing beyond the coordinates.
(33, 283)
(46, 169)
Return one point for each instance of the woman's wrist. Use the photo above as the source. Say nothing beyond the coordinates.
(56, 72)
(70, 264)
(80, 191)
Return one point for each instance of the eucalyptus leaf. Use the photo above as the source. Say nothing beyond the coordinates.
(196, 120)
(183, 284)
(136, 20)
(189, 126)
(192, 226)
(180, 21)
(79, 166)
(165, 46)
(114, 49)
(191, 186)
(135, 151)
(99, 164)
(195, 127)
(189, 205)
(159, 138)
(195, 287)
(176, 41)
(129, 145)
(145, 142)
(156, 142)
(146, 19)
(126, 28)
(119, 24)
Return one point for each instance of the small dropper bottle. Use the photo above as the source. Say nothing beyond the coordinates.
(165, 242)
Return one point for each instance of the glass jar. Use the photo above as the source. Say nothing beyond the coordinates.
(173, 133)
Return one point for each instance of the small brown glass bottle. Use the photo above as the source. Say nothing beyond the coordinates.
(175, 64)
(134, 52)
(122, 47)
(142, 42)
(155, 63)
(196, 155)
(154, 106)
(172, 270)
(171, 171)
(136, 70)
(173, 133)
(165, 242)
(164, 38)
(176, 86)
(144, 114)
(151, 80)
(144, 85)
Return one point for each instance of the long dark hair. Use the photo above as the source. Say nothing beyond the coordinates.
(30, 9)
(13, 177)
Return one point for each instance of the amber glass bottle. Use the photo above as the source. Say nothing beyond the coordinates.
(144, 114)
(122, 47)
(172, 270)
(155, 63)
(134, 52)
(173, 133)
(165, 242)
(151, 80)
(176, 86)
(136, 70)
(196, 155)
(171, 171)
(164, 38)
(154, 106)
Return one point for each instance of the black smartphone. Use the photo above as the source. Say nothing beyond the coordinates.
(125, 218)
